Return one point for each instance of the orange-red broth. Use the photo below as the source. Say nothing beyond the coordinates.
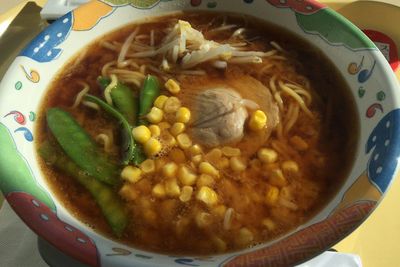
(171, 226)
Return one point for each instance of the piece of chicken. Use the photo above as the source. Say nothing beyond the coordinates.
(221, 117)
(220, 108)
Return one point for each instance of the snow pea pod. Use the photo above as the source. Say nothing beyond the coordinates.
(150, 91)
(80, 147)
(123, 99)
(108, 201)
(138, 155)
(129, 147)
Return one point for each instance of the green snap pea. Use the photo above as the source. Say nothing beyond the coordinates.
(108, 201)
(138, 155)
(80, 147)
(130, 150)
(123, 99)
(150, 91)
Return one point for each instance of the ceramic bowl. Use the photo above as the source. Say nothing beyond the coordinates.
(373, 87)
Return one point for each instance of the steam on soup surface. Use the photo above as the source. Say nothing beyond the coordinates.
(196, 133)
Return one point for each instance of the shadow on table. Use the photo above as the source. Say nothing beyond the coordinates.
(26, 25)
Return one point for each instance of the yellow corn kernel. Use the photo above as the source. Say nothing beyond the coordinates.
(158, 191)
(290, 167)
(223, 163)
(207, 196)
(167, 139)
(214, 156)
(269, 224)
(205, 180)
(177, 128)
(207, 168)
(258, 120)
(145, 203)
(155, 130)
(141, 134)
(177, 155)
(255, 164)
(148, 166)
(226, 56)
(298, 143)
(197, 159)
(150, 216)
(277, 178)
(155, 115)
(230, 151)
(195, 150)
(152, 147)
(203, 219)
(186, 176)
(219, 244)
(144, 186)
(182, 225)
(245, 237)
(128, 192)
(192, 165)
(228, 218)
(131, 174)
(183, 115)
(219, 211)
(267, 155)
(172, 86)
(172, 188)
(160, 101)
(286, 192)
(168, 209)
(237, 164)
(186, 193)
(270, 166)
(164, 125)
(184, 141)
(184, 25)
(172, 104)
(256, 197)
(160, 162)
(271, 196)
(169, 170)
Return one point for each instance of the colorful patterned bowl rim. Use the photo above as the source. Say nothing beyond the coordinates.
(373, 87)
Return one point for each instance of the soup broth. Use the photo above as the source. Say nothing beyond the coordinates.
(268, 141)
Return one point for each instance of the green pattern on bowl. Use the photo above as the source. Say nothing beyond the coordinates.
(15, 166)
(330, 25)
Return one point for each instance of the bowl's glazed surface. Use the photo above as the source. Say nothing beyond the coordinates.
(373, 87)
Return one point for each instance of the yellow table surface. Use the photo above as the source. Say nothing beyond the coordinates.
(377, 240)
